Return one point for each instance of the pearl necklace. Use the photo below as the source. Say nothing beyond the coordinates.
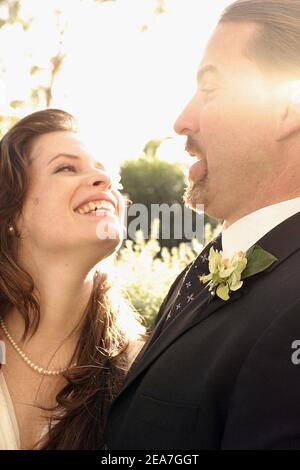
(31, 364)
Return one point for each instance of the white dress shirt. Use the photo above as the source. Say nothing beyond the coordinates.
(245, 232)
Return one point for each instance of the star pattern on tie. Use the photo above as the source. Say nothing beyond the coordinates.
(190, 285)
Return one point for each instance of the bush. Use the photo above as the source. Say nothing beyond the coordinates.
(145, 270)
(149, 180)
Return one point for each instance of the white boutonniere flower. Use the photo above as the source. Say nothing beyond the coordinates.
(226, 275)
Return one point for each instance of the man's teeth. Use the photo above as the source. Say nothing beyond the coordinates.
(95, 205)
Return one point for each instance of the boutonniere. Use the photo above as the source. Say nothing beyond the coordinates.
(227, 274)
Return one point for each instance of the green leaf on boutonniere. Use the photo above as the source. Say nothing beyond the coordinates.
(258, 260)
(226, 275)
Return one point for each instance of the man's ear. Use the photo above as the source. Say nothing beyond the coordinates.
(290, 118)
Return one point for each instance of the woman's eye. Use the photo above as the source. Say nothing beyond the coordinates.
(66, 167)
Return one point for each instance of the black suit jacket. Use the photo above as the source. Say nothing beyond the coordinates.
(221, 375)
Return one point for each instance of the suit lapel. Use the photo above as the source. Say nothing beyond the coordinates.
(202, 307)
(282, 241)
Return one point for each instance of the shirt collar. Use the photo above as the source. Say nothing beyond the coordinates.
(245, 232)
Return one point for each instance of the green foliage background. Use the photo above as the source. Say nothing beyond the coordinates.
(144, 269)
(149, 180)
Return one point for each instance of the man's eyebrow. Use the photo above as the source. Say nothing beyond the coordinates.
(207, 68)
(74, 157)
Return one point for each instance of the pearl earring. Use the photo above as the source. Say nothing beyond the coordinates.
(11, 230)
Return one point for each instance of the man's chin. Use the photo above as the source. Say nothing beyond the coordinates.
(194, 196)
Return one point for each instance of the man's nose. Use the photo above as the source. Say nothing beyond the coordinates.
(187, 122)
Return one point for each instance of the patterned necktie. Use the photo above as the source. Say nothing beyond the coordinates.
(190, 284)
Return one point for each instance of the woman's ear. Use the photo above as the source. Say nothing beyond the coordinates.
(290, 118)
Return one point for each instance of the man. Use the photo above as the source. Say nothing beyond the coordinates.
(223, 373)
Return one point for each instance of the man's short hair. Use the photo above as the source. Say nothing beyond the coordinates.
(276, 45)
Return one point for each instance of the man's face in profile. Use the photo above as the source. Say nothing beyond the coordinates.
(230, 124)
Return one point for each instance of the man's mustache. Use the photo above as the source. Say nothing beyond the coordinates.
(193, 147)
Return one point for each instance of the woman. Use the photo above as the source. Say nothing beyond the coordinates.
(66, 351)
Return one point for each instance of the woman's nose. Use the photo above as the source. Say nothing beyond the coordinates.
(100, 179)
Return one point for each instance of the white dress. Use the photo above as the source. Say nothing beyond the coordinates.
(9, 430)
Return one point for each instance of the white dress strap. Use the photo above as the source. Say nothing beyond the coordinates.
(9, 430)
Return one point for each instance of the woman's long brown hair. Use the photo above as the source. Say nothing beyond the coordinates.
(79, 419)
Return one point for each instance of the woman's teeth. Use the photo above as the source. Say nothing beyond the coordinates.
(98, 206)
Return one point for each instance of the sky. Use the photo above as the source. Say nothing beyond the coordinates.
(127, 74)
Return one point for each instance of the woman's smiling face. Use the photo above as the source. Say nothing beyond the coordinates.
(63, 178)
